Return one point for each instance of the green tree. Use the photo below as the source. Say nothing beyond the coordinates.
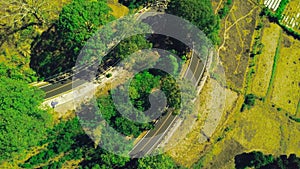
(17, 72)
(199, 13)
(135, 3)
(160, 161)
(170, 63)
(130, 45)
(171, 89)
(80, 19)
(57, 49)
(22, 123)
(142, 84)
(248, 102)
(223, 12)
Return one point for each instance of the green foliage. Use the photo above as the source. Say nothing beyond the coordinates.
(22, 123)
(250, 99)
(172, 92)
(108, 75)
(198, 164)
(229, 2)
(258, 160)
(68, 137)
(295, 119)
(60, 139)
(274, 67)
(225, 10)
(116, 120)
(160, 161)
(130, 45)
(281, 8)
(56, 50)
(290, 31)
(17, 72)
(199, 13)
(277, 17)
(248, 102)
(80, 19)
(170, 63)
(142, 84)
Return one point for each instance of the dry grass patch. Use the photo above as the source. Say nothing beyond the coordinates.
(258, 128)
(261, 128)
(264, 63)
(236, 34)
(187, 149)
(118, 10)
(286, 88)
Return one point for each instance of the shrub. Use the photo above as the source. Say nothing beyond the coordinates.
(108, 75)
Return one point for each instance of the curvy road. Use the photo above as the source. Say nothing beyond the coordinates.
(148, 143)
(153, 137)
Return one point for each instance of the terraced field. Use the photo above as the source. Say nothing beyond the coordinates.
(272, 4)
(291, 15)
(265, 61)
(286, 89)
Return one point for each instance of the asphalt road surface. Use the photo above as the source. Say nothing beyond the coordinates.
(196, 68)
(60, 87)
(147, 144)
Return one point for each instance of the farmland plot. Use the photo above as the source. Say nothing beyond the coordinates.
(265, 60)
(286, 91)
(272, 4)
(291, 15)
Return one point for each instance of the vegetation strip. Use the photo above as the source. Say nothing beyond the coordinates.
(276, 58)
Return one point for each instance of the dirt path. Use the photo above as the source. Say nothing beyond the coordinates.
(218, 7)
(228, 28)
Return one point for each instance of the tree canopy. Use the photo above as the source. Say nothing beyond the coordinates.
(80, 19)
(22, 123)
(57, 49)
(258, 160)
(161, 161)
(199, 13)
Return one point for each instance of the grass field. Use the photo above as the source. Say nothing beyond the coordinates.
(261, 128)
(286, 90)
(265, 61)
